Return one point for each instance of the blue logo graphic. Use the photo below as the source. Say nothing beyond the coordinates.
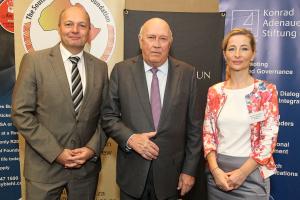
(248, 19)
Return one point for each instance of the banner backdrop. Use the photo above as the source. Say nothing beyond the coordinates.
(197, 40)
(36, 23)
(9, 152)
(276, 26)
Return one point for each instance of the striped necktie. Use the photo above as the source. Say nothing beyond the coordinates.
(77, 92)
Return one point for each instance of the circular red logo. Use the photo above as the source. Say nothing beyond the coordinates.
(7, 15)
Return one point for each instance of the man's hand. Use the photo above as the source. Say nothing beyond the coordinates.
(65, 158)
(81, 155)
(142, 144)
(74, 158)
(185, 183)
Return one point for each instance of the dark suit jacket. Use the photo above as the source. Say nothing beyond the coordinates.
(127, 110)
(43, 112)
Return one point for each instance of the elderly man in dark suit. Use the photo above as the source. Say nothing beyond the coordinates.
(152, 112)
(57, 103)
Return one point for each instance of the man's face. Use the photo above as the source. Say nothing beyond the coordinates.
(155, 42)
(74, 29)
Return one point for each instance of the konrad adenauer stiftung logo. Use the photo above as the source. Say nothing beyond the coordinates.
(40, 24)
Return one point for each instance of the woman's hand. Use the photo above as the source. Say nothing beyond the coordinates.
(221, 179)
(236, 178)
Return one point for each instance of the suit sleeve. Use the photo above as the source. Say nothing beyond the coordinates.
(98, 140)
(193, 135)
(24, 104)
(112, 122)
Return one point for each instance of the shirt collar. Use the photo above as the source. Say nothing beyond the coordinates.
(66, 54)
(163, 68)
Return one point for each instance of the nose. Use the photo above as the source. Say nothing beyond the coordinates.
(75, 28)
(157, 43)
(237, 53)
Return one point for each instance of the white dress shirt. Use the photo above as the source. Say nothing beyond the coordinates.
(162, 75)
(68, 66)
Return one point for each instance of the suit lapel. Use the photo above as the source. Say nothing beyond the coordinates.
(139, 77)
(89, 71)
(173, 79)
(61, 76)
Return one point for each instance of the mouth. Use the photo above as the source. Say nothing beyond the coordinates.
(74, 38)
(155, 53)
(237, 62)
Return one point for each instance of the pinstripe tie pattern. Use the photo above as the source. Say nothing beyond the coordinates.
(77, 92)
(155, 98)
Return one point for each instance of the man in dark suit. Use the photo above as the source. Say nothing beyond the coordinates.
(152, 112)
(57, 103)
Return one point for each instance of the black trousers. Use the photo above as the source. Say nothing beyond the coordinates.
(149, 190)
(148, 193)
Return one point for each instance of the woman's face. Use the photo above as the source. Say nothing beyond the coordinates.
(239, 53)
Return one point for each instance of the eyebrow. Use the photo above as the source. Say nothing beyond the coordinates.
(233, 45)
(70, 21)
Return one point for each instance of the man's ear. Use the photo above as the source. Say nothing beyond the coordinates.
(140, 41)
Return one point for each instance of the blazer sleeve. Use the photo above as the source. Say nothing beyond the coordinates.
(99, 139)
(264, 149)
(24, 103)
(111, 120)
(193, 135)
(210, 139)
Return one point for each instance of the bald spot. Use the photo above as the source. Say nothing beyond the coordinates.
(156, 24)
